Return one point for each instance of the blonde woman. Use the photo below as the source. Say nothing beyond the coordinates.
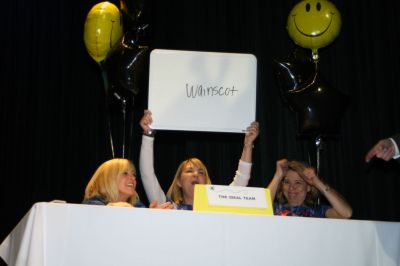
(190, 172)
(114, 184)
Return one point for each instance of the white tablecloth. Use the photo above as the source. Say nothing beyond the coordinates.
(74, 234)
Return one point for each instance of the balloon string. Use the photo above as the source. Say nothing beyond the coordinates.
(318, 144)
(123, 126)
(130, 137)
(108, 118)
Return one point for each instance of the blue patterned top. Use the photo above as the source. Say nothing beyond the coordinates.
(186, 207)
(181, 206)
(302, 210)
(97, 200)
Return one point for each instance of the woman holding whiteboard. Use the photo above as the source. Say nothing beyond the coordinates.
(190, 172)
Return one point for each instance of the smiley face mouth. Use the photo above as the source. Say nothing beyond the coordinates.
(312, 35)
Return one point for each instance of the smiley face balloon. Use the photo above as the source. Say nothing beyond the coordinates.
(103, 29)
(313, 24)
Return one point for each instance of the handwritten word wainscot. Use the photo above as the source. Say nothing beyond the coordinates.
(193, 91)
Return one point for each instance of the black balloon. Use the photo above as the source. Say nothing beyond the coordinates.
(295, 72)
(124, 66)
(133, 13)
(124, 63)
(318, 107)
(124, 73)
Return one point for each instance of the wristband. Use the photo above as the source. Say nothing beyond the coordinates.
(149, 133)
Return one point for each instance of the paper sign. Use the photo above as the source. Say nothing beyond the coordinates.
(202, 91)
(235, 199)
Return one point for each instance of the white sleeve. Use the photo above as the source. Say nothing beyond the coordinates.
(242, 176)
(397, 154)
(146, 165)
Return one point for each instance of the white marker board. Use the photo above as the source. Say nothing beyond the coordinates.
(202, 91)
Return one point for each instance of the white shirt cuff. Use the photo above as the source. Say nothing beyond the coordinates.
(397, 153)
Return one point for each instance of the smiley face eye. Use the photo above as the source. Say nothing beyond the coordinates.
(319, 6)
(308, 7)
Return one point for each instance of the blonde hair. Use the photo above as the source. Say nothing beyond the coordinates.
(175, 192)
(311, 196)
(104, 182)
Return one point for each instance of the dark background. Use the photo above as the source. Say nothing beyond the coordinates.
(53, 127)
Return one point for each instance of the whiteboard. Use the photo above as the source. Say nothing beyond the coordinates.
(202, 91)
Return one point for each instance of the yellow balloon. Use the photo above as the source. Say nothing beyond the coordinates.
(313, 24)
(103, 29)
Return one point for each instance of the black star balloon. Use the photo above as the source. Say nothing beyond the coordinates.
(293, 73)
(318, 107)
(124, 74)
(124, 67)
(125, 62)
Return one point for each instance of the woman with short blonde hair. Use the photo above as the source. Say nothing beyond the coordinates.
(113, 181)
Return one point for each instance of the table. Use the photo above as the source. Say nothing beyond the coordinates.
(77, 234)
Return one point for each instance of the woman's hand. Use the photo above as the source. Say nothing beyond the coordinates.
(165, 205)
(120, 204)
(310, 176)
(282, 167)
(252, 132)
(146, 121)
